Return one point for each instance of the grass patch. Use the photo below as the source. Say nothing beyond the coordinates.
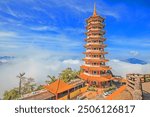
(92, 88)
(110, 88)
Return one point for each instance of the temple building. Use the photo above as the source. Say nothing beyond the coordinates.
(58, 90)
(95, 71)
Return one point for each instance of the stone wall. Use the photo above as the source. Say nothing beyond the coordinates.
(134, 85)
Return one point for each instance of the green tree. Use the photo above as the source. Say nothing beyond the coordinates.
(21, 78)
(68, 74)
(50, 79)
(39, 88)
(28, 85)
(11, 94)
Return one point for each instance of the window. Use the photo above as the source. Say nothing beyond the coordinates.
(77, 87)
(62, 94)
(80, 86)
(71, 90)
(94, 63)
(101, 56)
(101, 42)
(94, 72)
(101, 72)
(102, 63)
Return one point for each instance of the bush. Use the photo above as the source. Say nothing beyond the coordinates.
(92, 88)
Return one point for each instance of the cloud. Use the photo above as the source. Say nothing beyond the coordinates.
(40, 28)
(83, 7)
(7, 34)
(122, 68)
(46, 40)
(134, 53)
(36, 63)
(102, 8)
(72, 62)
(130, 41)
(129, 46)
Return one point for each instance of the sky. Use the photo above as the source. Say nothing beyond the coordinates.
(56, 26)
(46, 36)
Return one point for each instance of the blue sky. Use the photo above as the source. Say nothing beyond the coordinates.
(58, 26)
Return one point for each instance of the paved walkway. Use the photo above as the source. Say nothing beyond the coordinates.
(116, 93)
(146, 90)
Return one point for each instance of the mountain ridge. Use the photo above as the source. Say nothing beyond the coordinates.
(135, 61)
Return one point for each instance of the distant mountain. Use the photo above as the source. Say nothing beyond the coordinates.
(135, 61)
(5, 59)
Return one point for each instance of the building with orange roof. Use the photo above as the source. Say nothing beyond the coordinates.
(58, 86)
(58, 90)
(63, 91)
(95, 71)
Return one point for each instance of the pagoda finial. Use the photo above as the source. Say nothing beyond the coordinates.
(94, 13)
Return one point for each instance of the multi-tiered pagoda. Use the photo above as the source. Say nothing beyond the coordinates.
(94, 70)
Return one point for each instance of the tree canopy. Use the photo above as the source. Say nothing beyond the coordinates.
(68, 74)
(27, 85)
(11, 94)
(50, 79)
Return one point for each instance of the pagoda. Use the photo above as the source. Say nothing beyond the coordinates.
(94, 70)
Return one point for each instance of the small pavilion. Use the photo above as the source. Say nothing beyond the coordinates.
(59, 88)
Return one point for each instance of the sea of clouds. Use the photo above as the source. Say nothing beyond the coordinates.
(39, 64)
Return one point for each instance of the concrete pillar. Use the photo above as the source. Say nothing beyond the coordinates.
(100, 85)
(68, 95)
(57, 96)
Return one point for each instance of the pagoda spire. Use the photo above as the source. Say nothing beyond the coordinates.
(94, 13)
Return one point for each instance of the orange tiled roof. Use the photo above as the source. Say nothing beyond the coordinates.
(58, 86)
(95, 52)
(123, 80)
(96, 60)
(116, 93)
(95, 67)
(95, 78)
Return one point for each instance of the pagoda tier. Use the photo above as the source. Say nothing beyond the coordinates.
(95, 32)
(94, 45)
(96, 78)
(94, 39)
(95, 52)
(94, 68)
(95, 18)
(97, 25)
(88, 59)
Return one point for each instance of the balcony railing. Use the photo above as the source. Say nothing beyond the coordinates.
(89, 67)
(90, 59)
(95, 33)
(96, 23)
(91, 19)
(95, 52)
(95, 77)
(95, 45)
